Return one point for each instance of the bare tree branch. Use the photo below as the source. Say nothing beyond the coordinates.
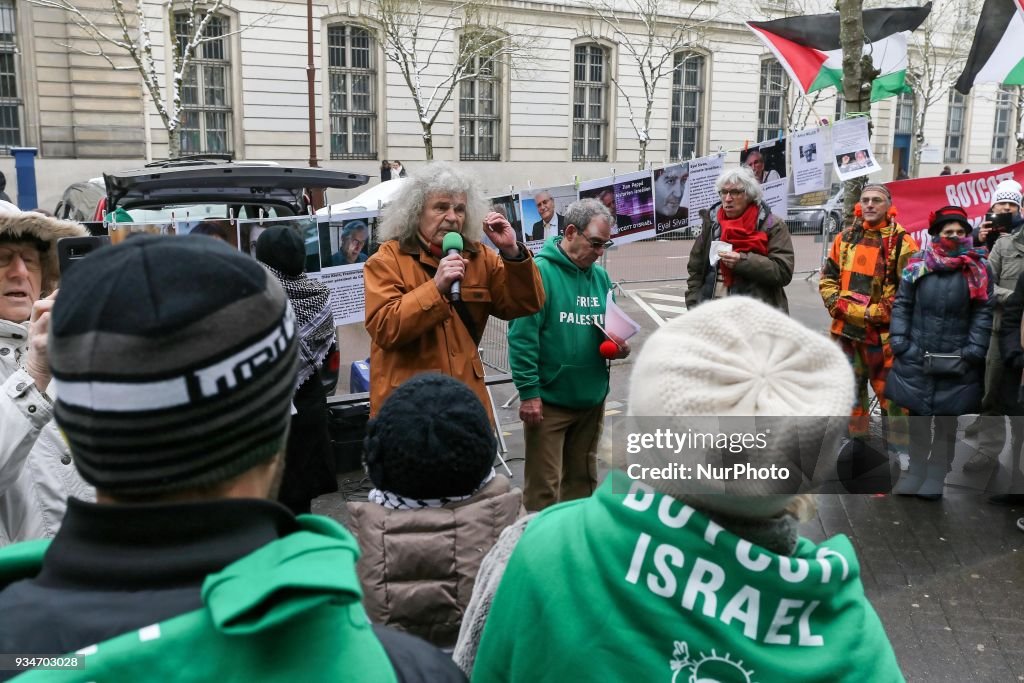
(936, 56)
(134, 40)
(642, 36)
(414, 39)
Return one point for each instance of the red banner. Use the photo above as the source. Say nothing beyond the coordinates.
(916, 199)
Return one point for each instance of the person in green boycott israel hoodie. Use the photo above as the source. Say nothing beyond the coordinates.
(681, 580)
(174, 361)
(561, 376)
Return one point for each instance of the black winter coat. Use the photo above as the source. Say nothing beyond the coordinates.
(935, 314)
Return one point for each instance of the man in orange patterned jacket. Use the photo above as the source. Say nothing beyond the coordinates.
(858, 285)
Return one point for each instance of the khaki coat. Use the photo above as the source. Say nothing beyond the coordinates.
(418, 567)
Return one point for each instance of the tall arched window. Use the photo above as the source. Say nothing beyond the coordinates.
(10, 101)
(590, 103)
(955, 127)
(206, 88)
(352, 78)
(687, 105)
(480, 100)
(1002, 130)
(771, 109)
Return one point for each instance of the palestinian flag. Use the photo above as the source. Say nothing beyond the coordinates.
(808, 47)
(997, 55)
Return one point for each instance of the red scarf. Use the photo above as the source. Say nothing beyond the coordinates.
(743, 235)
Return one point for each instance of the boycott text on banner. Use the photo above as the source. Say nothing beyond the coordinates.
(630, 199)
(916, 199)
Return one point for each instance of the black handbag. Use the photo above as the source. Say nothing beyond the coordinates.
(943, 364)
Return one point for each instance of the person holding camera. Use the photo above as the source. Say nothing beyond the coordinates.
(939, 335)
(1001, 233)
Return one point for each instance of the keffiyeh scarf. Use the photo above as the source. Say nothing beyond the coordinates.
(393, 501)
(314, 320)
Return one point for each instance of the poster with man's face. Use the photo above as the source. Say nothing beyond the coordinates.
(543, 213)
(767, 161)
(671, 198)
(346, 242)
(249, 231)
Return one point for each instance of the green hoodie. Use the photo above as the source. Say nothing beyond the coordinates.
(289, 611)
(554, 352)
(640, 587)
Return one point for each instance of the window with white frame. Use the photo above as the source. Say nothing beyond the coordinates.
(589, 103)
(905, 113)
(206, 87)
(479, 101)
(687, 105)
(10, 101)
(1002, 131)
(955, 127)
(840, 106)
(352, 77)
(771, 104)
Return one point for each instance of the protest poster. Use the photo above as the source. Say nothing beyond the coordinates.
(809, 161)
(119, 232)
(916, 199)
(508, 206)
(767, 161)
(851, 149)
(701, 187)
(345, 242)
(543, 213)
(671, 197)
(630, 199)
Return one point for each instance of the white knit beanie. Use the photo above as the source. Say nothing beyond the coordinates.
(737, 357)
(1007, 191)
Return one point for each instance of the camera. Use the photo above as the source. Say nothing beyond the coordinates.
(71, 249)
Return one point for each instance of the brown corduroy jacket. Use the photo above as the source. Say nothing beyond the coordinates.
(414, 329)
(418, 567)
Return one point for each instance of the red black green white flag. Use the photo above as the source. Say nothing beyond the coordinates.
(997, 54)
(809, 50)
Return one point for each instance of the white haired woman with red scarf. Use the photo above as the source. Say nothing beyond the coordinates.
(940, 330)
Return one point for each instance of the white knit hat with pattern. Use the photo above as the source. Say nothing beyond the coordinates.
(737, 357)
(1007, 191)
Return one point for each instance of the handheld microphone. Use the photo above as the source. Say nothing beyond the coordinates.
(452, 244)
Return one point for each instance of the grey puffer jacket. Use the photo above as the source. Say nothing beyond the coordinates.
(936, 315)
(37, 474)
(761, 277)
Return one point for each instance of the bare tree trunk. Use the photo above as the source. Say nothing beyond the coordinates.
(174, 143)
(856, 83)
(915, 158)
(428, 141)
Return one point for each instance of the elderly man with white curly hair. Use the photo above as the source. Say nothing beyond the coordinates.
(415, 323)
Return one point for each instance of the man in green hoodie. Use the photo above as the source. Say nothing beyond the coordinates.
(558, 370)
(175, 362)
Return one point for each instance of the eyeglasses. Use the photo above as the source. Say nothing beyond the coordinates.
(29, 256)
(732, 193)
(597, 244)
